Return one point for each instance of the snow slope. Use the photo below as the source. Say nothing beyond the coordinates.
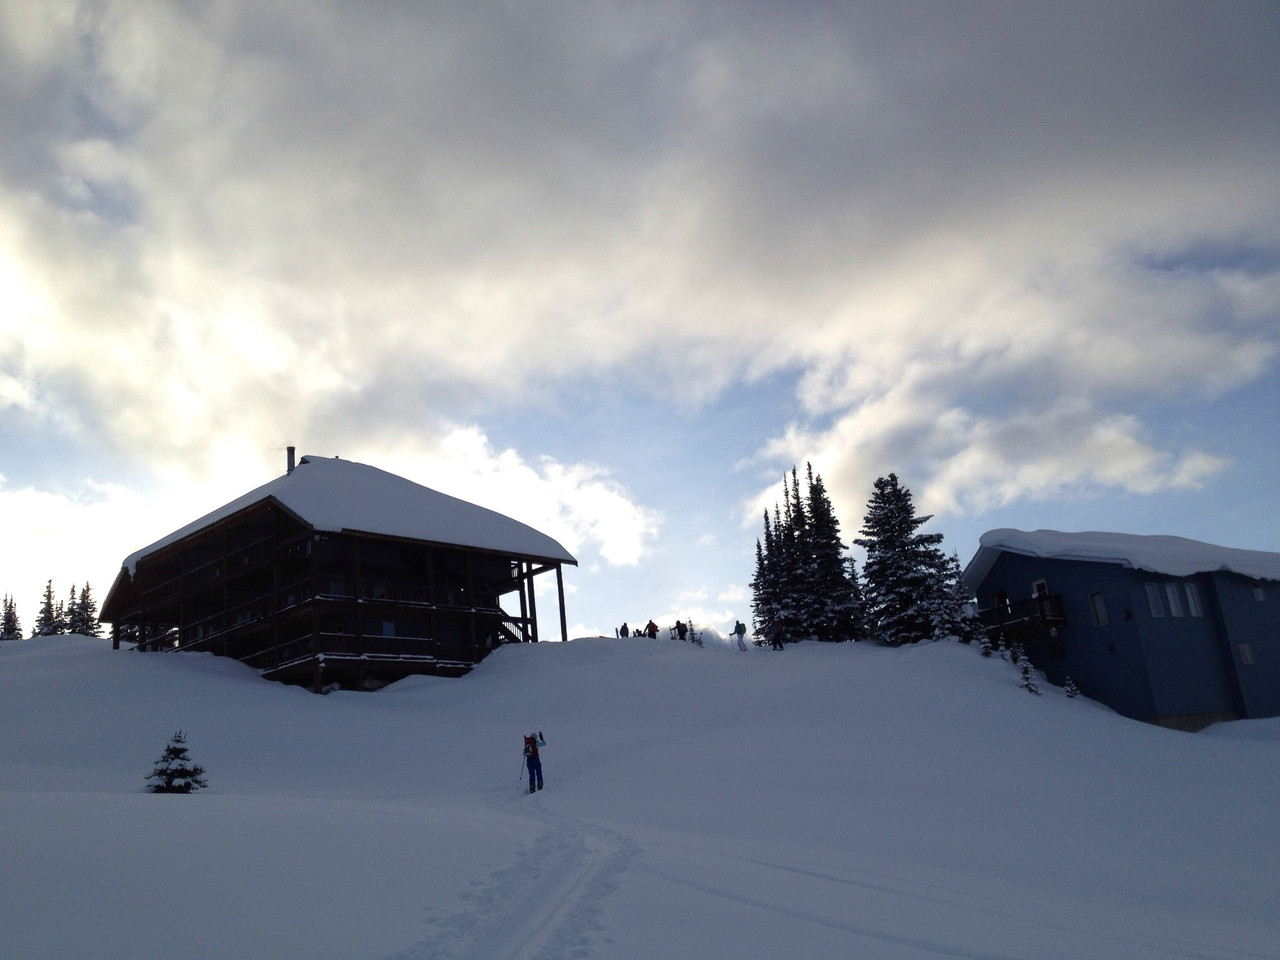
(825, 801)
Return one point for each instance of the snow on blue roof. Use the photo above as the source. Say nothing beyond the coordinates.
(335, 495)
(1171, 556)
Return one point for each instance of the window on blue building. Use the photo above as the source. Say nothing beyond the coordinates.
(1193, 600)
(1174, 597)
(1153, 598)
(1099, 608)
(1259, 593)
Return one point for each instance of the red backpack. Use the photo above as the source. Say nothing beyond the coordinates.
(530, 746)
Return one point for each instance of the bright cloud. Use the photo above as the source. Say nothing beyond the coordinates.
(581, 505)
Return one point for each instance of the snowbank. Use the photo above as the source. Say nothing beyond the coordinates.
(825, 801)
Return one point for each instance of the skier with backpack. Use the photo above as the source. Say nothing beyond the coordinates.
(531, 760)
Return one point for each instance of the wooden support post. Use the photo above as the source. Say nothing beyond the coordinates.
(524, 603)
(564, 624)
(356, 571)
(533, 609)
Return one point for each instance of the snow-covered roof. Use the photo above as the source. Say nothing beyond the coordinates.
(1171, 556)
(335, 495)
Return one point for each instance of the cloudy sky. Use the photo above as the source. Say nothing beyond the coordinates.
(613, 268)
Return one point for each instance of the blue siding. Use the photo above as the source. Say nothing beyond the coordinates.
(1107, 662)
(1184, 655)
(1224, 662)
(1256, 623)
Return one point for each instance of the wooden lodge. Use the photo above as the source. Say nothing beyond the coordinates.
(339, 573)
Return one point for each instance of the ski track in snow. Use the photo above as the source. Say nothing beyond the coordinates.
(965, 902)
(543, 907)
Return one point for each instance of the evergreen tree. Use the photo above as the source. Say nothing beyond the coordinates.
(832, 596)
(1023, 662)
(175, 772)
(47, 618)
(764, 588)
(70, 619)
(905, 586)
(952, 610)
(86, 616)
(803, 578)
(1071, 689)
(790, 537)
(10, 627)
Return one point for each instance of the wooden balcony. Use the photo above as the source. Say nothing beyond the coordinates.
(1020, 619)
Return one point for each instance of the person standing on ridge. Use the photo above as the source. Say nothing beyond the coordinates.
(531, 760)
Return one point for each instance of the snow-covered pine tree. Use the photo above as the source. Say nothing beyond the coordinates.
(803, 578)
(85, 619)
(777, 601)
(47, 619)
(952, 609)
(71, 613)
(791, 537)
(904, 577)
(10, 627)
(833, 597)
(175, 772)
(1071, 689)
(860, 629)
(1028, 678)
(764, 590)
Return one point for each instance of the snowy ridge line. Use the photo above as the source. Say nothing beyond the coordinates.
(543, 907)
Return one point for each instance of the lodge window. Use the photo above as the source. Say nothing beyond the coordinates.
(1246, 653)
(1175, 599)
(1193, 600)
(388, 628)
(1259, 593)
(1039, 588)
(1000, 601)
(1153, 599)
(1099, 608)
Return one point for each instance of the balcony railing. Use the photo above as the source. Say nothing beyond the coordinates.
(1016, 618)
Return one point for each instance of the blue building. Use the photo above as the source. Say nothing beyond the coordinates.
(1162, 629)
